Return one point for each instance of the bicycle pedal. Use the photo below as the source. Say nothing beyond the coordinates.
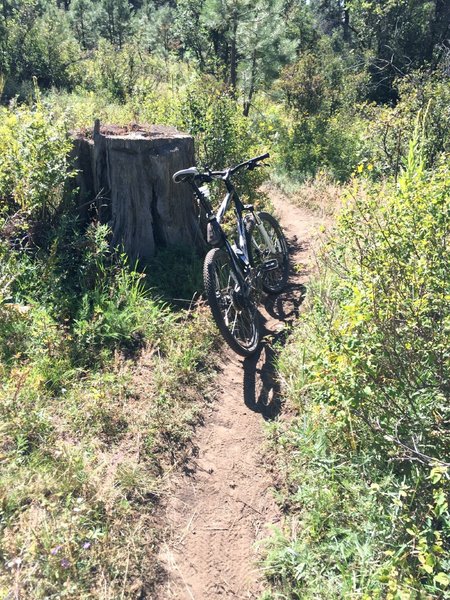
(270, 265)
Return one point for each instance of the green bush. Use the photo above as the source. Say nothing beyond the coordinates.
(368, 369)
(223, 136)
(33, 163)
(115, 308)
(36, 42)
(315, 143)
(320, 91)
(389, 129)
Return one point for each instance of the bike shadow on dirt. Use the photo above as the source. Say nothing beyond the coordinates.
(262, 390)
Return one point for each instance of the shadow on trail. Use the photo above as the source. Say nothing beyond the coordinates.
(286, 306)
(262, 392)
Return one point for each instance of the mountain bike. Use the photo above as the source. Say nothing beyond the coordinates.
(235, 272)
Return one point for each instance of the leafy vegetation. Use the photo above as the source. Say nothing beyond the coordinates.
(365, 464)
(335, 91)
(319, 92)
(86, 433)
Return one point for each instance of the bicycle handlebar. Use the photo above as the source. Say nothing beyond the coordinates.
(194, 175)
(252, 162)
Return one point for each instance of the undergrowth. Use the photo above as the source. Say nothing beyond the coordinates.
(364, 463)
(98, 385)
(320, 195)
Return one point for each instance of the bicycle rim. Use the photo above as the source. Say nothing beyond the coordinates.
(273, 280)
(235, 316)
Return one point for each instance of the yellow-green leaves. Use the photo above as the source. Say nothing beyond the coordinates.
(33, 161)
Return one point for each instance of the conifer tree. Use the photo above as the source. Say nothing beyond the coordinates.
(84, 17)
(115, 20)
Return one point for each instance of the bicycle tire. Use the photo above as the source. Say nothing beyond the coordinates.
(239, 326)
(274, 280)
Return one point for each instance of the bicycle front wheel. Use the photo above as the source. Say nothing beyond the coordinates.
(268, 244)
(236, 316)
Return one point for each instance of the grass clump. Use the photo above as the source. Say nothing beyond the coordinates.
(98, 382)
(321, 195)
(365, 462)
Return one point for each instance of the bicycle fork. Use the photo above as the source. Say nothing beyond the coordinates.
(264, 234)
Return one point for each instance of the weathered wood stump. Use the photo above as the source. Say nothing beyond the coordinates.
(127, 173)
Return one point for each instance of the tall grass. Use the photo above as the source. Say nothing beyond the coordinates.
(98, 387)
(365, 461)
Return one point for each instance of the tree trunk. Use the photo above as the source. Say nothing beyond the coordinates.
(439, 28)
(125, 176)
(233, 53)
(346, 23)
(251, 91)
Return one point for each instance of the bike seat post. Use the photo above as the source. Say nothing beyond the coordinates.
(203, 199)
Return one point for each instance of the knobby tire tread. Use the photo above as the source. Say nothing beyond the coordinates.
(250, 226)
(210, 289)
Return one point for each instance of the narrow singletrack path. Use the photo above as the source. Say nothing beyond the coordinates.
(222, 504)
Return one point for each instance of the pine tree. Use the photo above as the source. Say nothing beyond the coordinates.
(114, 20)
(84, 17)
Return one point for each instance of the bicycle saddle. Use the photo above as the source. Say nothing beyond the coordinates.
(185, 174)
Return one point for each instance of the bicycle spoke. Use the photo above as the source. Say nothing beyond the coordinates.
(269, 245)
(237, 315)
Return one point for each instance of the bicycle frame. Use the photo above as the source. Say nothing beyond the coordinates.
(239, 208)
(239, 252)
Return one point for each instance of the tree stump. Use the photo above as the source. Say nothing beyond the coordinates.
(126, 172)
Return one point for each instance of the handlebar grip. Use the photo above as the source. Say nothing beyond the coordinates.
(262, 157)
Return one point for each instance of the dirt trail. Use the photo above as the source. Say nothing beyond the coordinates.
(222, 505)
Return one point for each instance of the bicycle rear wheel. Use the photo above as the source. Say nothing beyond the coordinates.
(274, 278)
(235, 315)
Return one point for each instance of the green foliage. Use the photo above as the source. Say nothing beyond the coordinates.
(114, 21)
(84, 432)
(368, 369)
(314, 143)
(115, 309)
(128, 60)
(320, 91)
(390, 129)
(402, 36)
(395, 298)
(212, 116)
(83, 17)
(176, 274)
(36, 41)
(33, 163)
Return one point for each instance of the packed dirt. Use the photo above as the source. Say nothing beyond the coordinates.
(222, 505)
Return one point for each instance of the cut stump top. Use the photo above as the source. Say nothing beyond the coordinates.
(133, 131)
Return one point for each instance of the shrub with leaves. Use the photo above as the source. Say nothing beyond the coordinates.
(33, 162)
(393, 261)
(368, 370)
(389, 128)
(85, 429)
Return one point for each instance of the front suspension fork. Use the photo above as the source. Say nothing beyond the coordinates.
(264, 233)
